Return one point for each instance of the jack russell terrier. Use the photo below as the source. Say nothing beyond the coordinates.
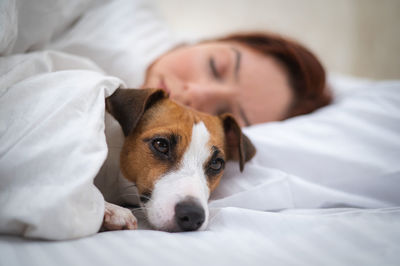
(174, 155)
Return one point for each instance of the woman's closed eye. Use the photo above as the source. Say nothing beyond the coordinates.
(214, 70)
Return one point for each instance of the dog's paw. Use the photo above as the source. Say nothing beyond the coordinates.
(118, 218)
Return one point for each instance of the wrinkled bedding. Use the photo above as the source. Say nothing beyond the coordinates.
(323, 188)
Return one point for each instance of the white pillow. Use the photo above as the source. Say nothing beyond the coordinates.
(29, 25)
(123, 37)
(346, 154)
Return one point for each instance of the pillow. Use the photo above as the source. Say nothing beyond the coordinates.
(345, 154)
(30, 25)
(123, 37)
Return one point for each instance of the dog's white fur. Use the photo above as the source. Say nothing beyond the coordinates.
(118, 218)
(189, 180)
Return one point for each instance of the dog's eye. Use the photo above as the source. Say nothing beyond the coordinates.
(216, 165)
(161, 145)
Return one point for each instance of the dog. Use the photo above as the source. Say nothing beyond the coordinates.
(175, 156)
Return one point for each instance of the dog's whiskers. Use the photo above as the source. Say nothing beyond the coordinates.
(145, 197)
(128, 194)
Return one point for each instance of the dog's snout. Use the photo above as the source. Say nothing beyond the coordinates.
(189, 215)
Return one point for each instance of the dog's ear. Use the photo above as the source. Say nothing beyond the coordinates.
(127, 106)
(238, 146)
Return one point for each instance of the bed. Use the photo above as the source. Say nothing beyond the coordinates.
(323, 188)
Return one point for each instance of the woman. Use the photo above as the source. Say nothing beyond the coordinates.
(258, 77)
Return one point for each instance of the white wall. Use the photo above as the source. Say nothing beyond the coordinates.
(357, 37)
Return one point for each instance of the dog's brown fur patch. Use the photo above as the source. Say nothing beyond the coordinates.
(146, 115)
(165, 118)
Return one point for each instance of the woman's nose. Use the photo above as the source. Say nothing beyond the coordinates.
(200, 97)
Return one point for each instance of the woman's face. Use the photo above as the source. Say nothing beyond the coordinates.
(218, 77)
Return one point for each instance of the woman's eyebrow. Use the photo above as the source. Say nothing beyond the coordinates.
(238, 56)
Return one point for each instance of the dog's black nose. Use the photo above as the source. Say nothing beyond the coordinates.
(189, 215)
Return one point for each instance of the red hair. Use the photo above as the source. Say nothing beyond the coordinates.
(306, 74)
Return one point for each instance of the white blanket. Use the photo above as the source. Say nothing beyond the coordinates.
(52, 145)
(52, 106)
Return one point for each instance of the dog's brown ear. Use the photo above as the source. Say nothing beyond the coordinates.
(238, 145)
(127, 106)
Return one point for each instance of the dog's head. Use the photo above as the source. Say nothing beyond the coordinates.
(175, 155)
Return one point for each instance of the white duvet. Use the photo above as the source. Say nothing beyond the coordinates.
(53, 81)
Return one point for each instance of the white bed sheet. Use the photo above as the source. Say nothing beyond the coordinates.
(236, 237)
